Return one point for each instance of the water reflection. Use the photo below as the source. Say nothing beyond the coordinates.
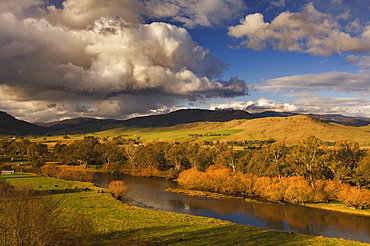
(150, 193)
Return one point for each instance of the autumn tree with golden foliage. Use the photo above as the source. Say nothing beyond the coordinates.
(118, 188)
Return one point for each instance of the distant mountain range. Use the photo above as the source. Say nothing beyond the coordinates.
(12, 126)
(189, 116)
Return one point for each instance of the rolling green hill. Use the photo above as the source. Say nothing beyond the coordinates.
(290, 129)
(193, 125)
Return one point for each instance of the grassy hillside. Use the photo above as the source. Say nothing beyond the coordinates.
(295, 128)
(291, 129)
(12, 126)
(115, 223)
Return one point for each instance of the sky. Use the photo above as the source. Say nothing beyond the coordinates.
(119, 59)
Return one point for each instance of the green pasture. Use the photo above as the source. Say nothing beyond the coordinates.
(180, 133)
(290, 129)
(115, 223)
(145, 134)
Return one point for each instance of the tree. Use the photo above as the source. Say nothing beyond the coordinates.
(277, 153)
(177, 156)
(192, 150)
(4, 146)
(58, 148)
(86, 150)
(159, 151)
(229, 158)
(243, 162)
(18, 148)
(202, 159)
(66, 155)
(308, 160)
(217, 150)
(132, 151)
(35, 152)
(83, 151)
(346, 156)
(258, 163)
(109, 153)
(361, 174)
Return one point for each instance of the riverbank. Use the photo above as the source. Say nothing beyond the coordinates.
(115, 223)
(213, 195)
(337, 207)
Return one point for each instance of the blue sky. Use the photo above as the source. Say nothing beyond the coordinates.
(126, 58)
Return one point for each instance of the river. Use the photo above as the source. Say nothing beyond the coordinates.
(150, 193)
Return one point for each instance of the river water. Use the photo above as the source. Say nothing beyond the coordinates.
(150, 193)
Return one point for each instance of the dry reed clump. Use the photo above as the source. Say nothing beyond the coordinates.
(148, 172)
(49, 170)
(118, 188)
(78, 173)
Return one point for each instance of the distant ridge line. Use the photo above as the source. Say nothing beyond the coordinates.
(12, 126)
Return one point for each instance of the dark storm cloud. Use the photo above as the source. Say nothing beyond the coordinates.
(99, 54)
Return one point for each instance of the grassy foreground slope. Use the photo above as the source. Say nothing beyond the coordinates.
(118, 224)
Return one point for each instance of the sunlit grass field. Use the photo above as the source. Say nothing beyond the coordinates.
(289, 129)
(118, 224)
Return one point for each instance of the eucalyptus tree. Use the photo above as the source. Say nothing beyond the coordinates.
(346, 156)
(79, 152)
(18, 148)
(36, 152)
(229, 158)
(110, 153)
(361, 174)
(177, 157)
(309, 160)
(203, 158)
(4, 146)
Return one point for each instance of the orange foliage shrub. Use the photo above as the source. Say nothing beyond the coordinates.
(326, 190)
(76, 174)
(107, 168)
(49, 170)
(276, 190)
(216, 180)
(192, 179)
(299, 191)
(245, 183)
(118, 188)
(219, 180)
(260, 185)
(294, 189)
(355, 197)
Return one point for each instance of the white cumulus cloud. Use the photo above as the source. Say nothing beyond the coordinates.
(309, 31)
